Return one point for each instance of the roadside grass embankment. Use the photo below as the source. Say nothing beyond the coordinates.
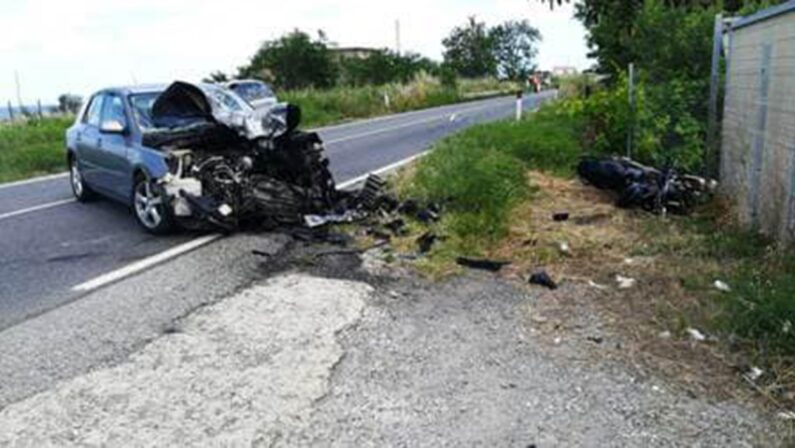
(35, 147)
(339, 104)
(32, 148)
(500, 185)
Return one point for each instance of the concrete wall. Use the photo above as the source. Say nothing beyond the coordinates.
(758, 138)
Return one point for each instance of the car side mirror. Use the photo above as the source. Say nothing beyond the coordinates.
(111, 127)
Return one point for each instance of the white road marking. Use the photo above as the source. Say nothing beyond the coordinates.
(33, 180)
(145, 263)
(35, 208)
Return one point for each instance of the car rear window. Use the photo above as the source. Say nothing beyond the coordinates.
(252, 91)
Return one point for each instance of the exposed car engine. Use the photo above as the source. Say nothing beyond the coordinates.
(228, 168)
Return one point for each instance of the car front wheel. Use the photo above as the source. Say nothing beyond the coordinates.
(149, 204)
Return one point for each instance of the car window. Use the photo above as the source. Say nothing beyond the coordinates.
(252, 91)
(94, 111)
(226, 100)
(114, 110)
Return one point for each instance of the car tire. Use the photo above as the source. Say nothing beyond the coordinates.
(150, 207)
(80, 189)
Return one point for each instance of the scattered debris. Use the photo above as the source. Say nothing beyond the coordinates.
(425, 241)
(786, 415)
(754, 373)
(483, 264)
(595, 339)
(664, 334)
(543, 279)
(397, 226)
(378, 234)
(696, 335)
(625, 282)
(427, 216)
(409, 207)
(561, 216)
(593, 284)
(649, 188)
(786, 327)
(564, 248)
(722, 286)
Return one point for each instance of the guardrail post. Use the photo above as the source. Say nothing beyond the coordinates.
(519, 105)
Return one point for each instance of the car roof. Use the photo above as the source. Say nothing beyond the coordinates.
(138, 88)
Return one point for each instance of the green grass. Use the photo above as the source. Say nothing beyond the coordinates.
(480, 173)
(32, 148)
(322, 107)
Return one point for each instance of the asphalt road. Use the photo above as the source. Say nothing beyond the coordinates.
(50, 243)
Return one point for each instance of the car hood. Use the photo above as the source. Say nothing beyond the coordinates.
(182, 102)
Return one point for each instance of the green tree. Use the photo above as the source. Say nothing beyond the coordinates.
(216, 77)
(293, 61)
(382, 67)
(514, 47)
(68, 103)
(469, 50)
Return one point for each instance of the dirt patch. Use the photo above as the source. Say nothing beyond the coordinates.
(595, 245)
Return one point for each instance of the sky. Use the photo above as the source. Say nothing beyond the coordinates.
(79, 46)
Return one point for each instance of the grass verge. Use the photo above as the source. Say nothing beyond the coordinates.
(32, 148)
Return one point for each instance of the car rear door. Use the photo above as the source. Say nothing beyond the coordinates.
(113, 146)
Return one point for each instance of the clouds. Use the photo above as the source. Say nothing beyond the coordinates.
(81, 45)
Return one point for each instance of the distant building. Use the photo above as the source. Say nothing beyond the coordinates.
(564, 70)
(353, 52)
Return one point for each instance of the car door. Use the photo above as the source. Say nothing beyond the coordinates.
(113, 144)
(87, 141)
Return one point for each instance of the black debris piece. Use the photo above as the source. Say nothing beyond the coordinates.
(397, 226)
(596, 339)
(562, 216)
(387, 203)
(543, 279)
(369, 196)
(425, 241)
(338, 239)
(378, 234)
(409, 207)
(481, 263)
(427, 216)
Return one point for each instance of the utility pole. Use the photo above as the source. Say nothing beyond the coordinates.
(631, 92)
(397, 36)
(19, 94)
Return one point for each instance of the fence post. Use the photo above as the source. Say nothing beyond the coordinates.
(710, 150)
(519, 105)
(631, 95)
(38, 109)
(10, 111)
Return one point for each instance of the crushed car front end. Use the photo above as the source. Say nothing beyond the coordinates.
(229, 164)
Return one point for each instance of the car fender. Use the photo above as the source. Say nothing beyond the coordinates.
(148, 161)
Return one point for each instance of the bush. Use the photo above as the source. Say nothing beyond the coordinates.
(480, 173)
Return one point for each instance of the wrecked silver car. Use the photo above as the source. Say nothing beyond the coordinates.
(198, 156)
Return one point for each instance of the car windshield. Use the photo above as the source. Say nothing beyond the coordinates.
(142, 108)
(252, 91)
